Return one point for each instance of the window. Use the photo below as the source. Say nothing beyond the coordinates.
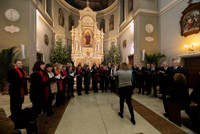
(48, 8)
(122, 13)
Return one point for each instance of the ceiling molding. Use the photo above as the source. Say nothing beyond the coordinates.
(169, 6)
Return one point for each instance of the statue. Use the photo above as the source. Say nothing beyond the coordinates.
(76, 43)
(98, 45)
(61, 19)
(87, 37)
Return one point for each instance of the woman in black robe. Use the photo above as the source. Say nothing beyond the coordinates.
(39, 88)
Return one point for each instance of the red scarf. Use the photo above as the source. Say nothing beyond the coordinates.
(23, 85)
(20, 73)
(46, 89)
(60, 81)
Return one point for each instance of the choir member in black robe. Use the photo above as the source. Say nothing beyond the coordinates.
(140, 77)
(39, 88)
(147, 78)
(79, 73)
(106, 77)
(95, 78)
(113, 79)
(70, 89)
(17, 77)
(87, 79)
(134, 68)
(154, 78)
(101, 77)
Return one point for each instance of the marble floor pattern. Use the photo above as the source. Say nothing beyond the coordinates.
(97, 114)
(156, 105)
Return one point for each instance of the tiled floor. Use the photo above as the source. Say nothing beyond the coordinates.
(97, 114)
(156, 105)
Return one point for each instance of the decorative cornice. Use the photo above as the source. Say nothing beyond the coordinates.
(38, 14)
(141, 10)
(169, 6)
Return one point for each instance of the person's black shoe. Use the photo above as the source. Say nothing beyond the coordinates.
(133, 121)
(121, 115)
(148, 94)
(166, 115)
(155, 95)
(72, 95)
(138, 92)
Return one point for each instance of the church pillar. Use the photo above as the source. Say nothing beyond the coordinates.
(141, 35)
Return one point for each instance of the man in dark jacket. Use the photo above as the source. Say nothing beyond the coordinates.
(17, 77)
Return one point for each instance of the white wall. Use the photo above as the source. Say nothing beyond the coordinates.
(41, 29)
(128, 36)
(171, 42)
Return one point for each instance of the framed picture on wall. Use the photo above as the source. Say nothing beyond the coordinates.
(190, 20)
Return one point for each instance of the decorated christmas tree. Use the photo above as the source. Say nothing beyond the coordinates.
(59, 52)
(112, 55)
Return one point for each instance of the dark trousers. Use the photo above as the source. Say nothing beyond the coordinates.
(126, 93)
(15, 104)
(148, 87)
(102, 84)
(48, 105)
(70, 88)
(194, 114)
(58, 98)
(154, 87)
(95, 87)
(113, 85)
(141, 85)
(79, 85)
(86, 87)
(38, 106)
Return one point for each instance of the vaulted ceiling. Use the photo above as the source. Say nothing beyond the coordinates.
(96, 5)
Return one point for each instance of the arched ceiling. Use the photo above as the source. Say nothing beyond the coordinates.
(96, 5)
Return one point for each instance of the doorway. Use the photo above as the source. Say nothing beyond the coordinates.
(131, 59)
(193, 66)
(39, 56)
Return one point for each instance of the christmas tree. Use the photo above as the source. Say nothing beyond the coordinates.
(112, 56)
(59, 53)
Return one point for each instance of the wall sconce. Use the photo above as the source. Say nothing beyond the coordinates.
(190, 48)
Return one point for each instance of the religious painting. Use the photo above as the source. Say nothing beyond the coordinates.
(130, 6)
(190, 21)
(61, 18)
(71, 22)
(111, 23)
(87, 38)
(102, 25)
(124, 44)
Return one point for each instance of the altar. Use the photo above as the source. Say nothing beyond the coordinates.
(87, 39)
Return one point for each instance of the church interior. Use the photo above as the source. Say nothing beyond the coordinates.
(78, 34)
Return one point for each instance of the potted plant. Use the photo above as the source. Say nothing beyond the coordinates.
(6, 57)
(154, 58)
